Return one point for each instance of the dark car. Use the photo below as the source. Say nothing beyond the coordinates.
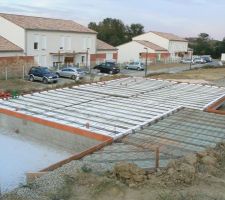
(42, 74)
(108, 67)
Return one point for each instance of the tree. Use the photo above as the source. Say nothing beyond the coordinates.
(204, 45)
(115, 32)
(135, 30)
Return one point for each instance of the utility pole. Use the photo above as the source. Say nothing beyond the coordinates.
(87, 59)
(146, 61)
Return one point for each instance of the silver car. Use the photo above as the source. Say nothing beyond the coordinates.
(71, 72)
(135, 65)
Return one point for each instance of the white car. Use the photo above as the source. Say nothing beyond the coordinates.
(186, 61)
(135, 65)
(71, 72)
(199, 61)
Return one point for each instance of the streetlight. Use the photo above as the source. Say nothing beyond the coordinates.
(146, 61)
(87, 58)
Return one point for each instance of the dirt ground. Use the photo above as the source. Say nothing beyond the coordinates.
(24, 86)
(198, 176)
(207, 74)
(164, 66)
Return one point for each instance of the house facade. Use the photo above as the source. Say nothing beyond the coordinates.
(159, 45)
(139, 49)
(104, 52)
(50, 41)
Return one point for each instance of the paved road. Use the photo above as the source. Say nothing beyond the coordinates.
(170, 70)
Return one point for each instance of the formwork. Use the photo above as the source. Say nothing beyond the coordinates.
(217, 107)
(88, 117)
(184, 132)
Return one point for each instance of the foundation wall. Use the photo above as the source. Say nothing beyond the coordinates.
(68, 141)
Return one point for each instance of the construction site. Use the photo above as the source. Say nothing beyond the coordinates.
(141, 121)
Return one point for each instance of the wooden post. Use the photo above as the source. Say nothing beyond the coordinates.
(157, 157)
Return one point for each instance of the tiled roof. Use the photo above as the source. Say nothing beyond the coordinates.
(6, 45)
(40, 23)
(169, 36)
(150, 45)
(104, 46)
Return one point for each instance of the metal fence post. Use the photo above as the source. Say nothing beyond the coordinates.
(6, 73)
(157, 158)
(23, 71)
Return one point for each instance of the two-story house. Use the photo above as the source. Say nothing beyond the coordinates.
(50, 41)
(158, 45)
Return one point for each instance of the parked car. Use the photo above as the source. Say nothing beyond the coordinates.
(186, 61)
(199, 61)
(208, 59)
(135, 65)
(42, 74)
(71, 72)
(108, 67)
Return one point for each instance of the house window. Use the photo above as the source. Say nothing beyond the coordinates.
(87, 43)
(82, 59)
(36, 45)
(36, 42)
(43, 42)
(43, 60)
(62, 42)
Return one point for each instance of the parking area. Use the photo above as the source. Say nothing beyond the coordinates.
(166, 68)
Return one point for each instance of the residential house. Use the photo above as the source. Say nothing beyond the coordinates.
(104, 52)
(7, 48)
(138, 49)
(223, 57)
(158, 45)
(50, 41)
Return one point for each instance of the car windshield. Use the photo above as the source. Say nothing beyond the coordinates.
(45, 70)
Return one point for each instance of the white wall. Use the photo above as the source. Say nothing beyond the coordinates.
(171, 46)
(52, 41)
(131, 51)
(178, 46)
(223, 57)
(10, 54)
(12, 32)
(151, 37)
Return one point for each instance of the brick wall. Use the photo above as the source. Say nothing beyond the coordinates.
(14, 66)
(154, 55)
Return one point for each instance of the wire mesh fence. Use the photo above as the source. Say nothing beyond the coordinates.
(15, 67)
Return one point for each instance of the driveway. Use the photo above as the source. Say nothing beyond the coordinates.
(171, 70)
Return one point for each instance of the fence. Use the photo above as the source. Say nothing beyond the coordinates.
(15, 67)
(154, 61)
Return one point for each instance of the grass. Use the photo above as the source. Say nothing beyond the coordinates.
(163, 66)
(24, 86)
(207, 73)
(172, 195)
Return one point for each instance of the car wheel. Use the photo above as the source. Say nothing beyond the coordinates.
(127, 67)
(73, 77)
(139, 69)
(110, 72)
(58, 74)
(45, 81)
(31, 78)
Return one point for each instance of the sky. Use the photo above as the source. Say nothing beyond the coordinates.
(186, 18)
